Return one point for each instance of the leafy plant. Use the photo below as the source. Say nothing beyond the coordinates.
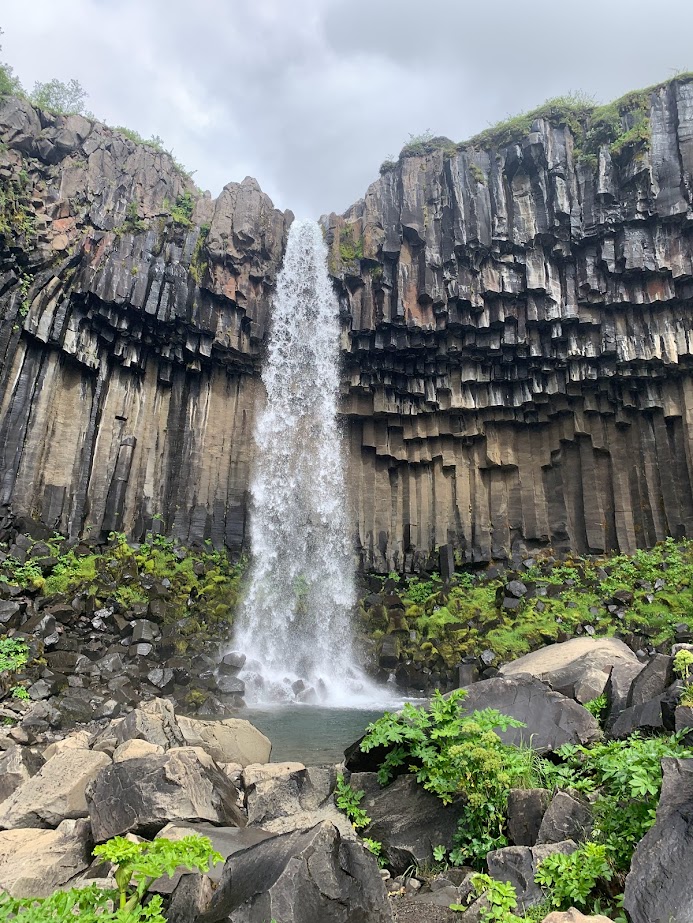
(348, 800)
(78, 905)
(375, 847)
(56, 96)
(501, 897)
(20, 692)
(139, 864)
(571, 880)
(13, 654)
(457, 756)
(597, 707)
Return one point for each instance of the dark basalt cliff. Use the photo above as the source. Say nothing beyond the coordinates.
(517, 337)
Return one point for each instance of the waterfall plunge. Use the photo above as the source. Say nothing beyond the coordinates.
(295, 620)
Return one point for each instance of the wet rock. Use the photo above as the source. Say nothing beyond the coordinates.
(301, 877)
(652, 681)
(142, 795)
(551, 720)
(409, 822)
(233, 662)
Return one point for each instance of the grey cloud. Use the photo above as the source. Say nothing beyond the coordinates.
(310, 95)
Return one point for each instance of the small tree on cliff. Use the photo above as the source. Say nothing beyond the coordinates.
(66, 98)
(9, 84)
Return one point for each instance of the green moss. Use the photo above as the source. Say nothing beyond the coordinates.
(199, 262)
(350, 248)
(182, 210)
(17, 218)
(478, 174)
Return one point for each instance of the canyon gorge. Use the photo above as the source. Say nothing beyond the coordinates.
(516, 337)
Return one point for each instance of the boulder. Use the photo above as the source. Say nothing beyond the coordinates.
(229, 741)
(153, 721)
(567, 818)
(526, 809)
(551, 719)
(288, 793)
(78, 740)
(409, 822)
(226, 841)
(55, 793)
(301, 877)
(142, 795)
(134, 749)
(578, 668)
(16, 766)
(659, 714)
(261, 772)
(34, 863)
(659, 886)
(618, 689)
(519, 864)
(652, 681)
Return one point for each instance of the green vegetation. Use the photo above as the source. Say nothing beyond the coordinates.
(202, 589)
(464, 617)
(199, 262)
(597, 707)
(350, 249)
(477, 174)
(9, 83)
(182, 210)
(137, 866)
(622, 125)
(348, 800)
(457, 756)
(461, 757)
(63, 98)
(13, 654)
(17, 218)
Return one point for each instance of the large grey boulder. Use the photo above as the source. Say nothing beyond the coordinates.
(34, 863)
(229, 741)
(551, 719)
(659, 886)
(16, 766)
(409, 822)
(143, 795)
(225, 840)
(311, 876)
(578, 668)
(519, 864)
(652, 681)
(618, 689)
(55, 793)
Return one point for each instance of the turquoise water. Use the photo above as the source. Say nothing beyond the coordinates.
(309, 734)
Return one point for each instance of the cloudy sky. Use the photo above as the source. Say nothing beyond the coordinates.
(309, 96)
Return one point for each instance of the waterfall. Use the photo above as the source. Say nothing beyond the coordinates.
(295, 621)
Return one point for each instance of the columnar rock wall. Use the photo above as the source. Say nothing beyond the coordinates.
(519, 342)
(516, 339)
(133, 311)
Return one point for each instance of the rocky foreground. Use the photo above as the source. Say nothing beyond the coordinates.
(291, 856)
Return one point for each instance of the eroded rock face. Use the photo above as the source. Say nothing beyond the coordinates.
(517, 333)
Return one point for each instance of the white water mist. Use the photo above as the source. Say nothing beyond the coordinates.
(294, 625)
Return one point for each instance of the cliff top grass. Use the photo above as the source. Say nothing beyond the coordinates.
(622, 125)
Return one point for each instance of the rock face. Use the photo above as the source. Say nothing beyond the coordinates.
(37, 862)
(517, 331)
